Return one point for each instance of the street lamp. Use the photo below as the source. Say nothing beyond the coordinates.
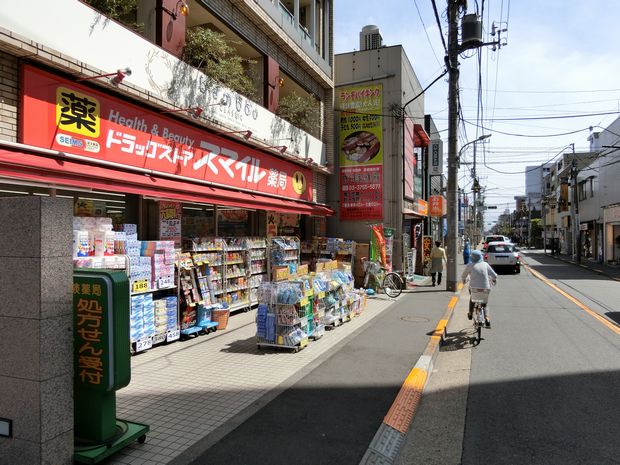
(476, 188)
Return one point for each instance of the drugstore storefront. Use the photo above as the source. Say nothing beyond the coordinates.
(120, 159)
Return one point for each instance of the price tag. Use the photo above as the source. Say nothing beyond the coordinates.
(159, 338)
(141, 285)
(144, 344)
(164, 282)
(309, 292)
(321, 295)
(303, 302)
(303, 343)
(173, 335)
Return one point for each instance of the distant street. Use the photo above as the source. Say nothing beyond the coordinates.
(543, 387)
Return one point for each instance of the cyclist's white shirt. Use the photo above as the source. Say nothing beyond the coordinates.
(479, 274)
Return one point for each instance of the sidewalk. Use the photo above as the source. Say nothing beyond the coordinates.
(201, 389)
(605, 269)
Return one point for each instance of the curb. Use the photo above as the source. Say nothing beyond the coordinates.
(390, 436)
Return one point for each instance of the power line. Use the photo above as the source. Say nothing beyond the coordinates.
(426, 32)
(443, 40)
(550, 91)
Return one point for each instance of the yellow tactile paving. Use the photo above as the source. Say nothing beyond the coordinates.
(402, 410)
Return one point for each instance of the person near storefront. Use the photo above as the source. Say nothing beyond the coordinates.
(438, 257)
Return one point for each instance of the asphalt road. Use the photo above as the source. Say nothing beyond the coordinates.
(543, 387)
(331, 415)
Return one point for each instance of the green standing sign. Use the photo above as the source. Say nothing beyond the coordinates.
(102, 363)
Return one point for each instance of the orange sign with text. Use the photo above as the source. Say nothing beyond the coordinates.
(437, 205)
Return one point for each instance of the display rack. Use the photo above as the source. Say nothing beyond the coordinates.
(191, 300)
(283, 315)
(284, 251)
(153, 279)
(257, 266)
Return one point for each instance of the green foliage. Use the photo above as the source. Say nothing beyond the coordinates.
(210, 52)
(302, 112)
(123, 11)
(536, 227)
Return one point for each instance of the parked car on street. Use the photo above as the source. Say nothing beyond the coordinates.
(503, 255)
(496, 238)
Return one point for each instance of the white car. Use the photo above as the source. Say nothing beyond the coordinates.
(503, 255)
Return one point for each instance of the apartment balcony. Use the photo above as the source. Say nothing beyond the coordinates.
(100, 44)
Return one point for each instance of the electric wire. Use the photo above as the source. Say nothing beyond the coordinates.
(426, 32)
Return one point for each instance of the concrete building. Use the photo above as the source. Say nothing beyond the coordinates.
(599, 197)
(105, 114)
(381, 138)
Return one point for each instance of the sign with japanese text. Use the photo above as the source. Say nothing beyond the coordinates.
(422, 207)
(361, 125)
(427, 245)
(438, 205)
(436, 157)
(361, 193)
(68, 117)
(410, 161)
(170, 222)
(101, 330)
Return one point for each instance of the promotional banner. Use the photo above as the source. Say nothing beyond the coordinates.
(361, 127)
(170, 222)
(361, 193)
(377, 244)
(61, 115)
(361, 152)
(389, 247)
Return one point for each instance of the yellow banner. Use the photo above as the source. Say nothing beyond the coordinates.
(361, 125)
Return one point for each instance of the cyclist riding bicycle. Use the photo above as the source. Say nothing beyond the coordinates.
(482, 276)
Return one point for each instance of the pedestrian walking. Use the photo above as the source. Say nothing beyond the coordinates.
(438, 257)
(466, 252)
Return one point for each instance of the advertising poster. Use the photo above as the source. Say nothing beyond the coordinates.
(361, 193)
(361, 152)
(389, 247)
(170, 222)
(272, 224)
(361, 125)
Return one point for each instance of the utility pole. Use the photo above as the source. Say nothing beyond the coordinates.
(575, 211)
(453, 105)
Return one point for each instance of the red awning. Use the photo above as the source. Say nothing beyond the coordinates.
(421, 139)
(66, 172)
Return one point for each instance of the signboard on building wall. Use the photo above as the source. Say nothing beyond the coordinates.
(361, 152)
(170, 222)
(64, 116)
(435, 153)
(437, 205)
(361, 193)
(410, 160)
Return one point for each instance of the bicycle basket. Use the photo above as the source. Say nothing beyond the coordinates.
(480, 295)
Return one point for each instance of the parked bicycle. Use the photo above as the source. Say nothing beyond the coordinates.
(375, 275)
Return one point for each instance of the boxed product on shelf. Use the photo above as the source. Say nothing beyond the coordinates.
(148, 309)
(136, 318)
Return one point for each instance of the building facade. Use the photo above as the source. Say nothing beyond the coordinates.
(106, 111)
(381, 141)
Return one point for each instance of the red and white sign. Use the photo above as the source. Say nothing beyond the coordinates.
(410, 160)
(64, 116)
(361, 193)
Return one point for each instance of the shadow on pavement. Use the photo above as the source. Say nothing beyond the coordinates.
(614, 316)
(464, 339)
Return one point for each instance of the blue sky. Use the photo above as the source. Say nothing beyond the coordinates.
(561, 59)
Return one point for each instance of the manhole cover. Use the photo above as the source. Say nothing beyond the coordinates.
(415, 319)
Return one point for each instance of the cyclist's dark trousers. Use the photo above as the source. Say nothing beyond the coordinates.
(438, 277)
